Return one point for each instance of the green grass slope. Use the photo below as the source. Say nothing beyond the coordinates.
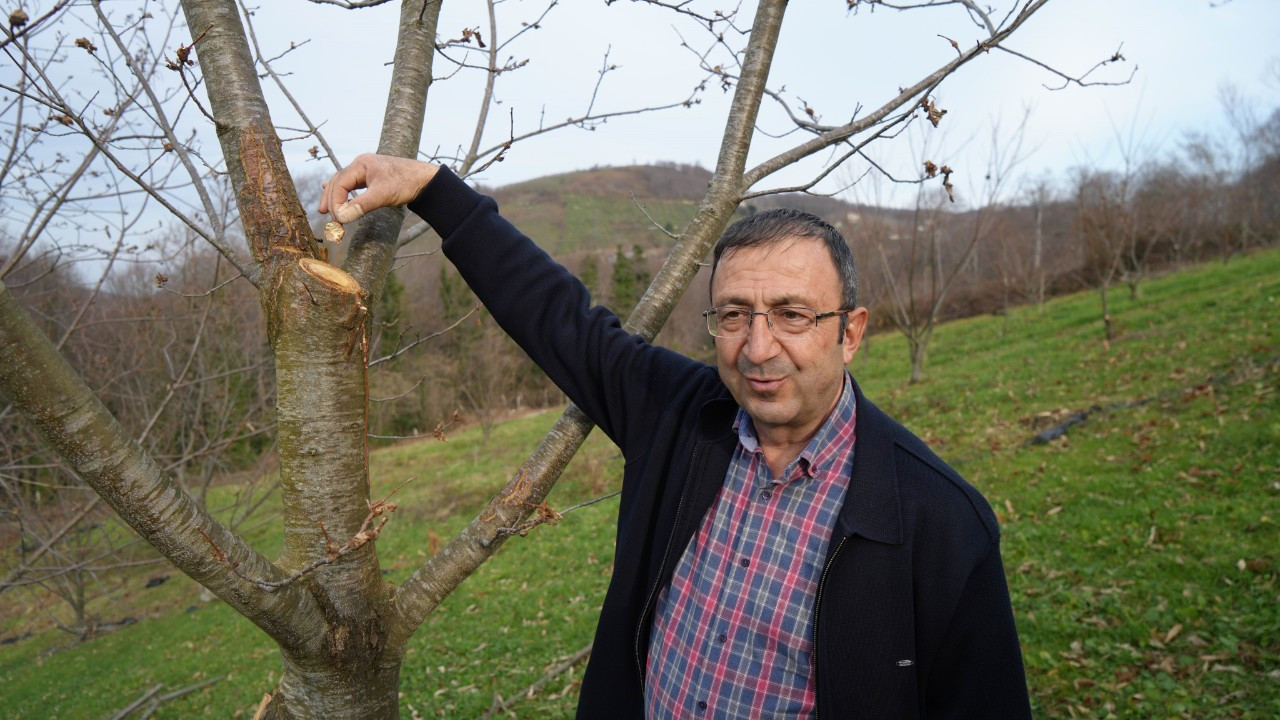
(1141, 547)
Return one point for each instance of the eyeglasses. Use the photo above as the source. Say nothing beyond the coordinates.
(785, 321)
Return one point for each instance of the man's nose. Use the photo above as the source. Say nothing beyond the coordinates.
(761, 344)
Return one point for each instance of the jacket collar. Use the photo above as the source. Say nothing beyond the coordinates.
(871, 505)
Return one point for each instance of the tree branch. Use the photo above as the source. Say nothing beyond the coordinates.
(270, 211)
(47, 391)
(374, 244)
(907, 96)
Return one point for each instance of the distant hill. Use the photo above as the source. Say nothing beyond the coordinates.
(596, 210)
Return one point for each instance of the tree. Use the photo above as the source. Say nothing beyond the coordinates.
(629, 279)
(341, 630)
(928, 260)
(589, 274)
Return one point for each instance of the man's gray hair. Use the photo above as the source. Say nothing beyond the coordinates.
(773, 226)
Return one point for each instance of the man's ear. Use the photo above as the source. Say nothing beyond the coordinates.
(853, 331)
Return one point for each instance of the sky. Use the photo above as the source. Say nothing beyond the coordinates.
(1184, 51)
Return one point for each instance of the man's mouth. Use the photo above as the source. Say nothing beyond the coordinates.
(764, 384)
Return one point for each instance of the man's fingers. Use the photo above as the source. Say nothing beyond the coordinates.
(338, 190)
(387, 181)
(348, 212)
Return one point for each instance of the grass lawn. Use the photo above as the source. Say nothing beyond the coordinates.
(1142, 548)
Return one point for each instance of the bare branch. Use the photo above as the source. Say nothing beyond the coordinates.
(655, 223)
(910, 95)
(486, 99)
(682, 7)
(100, 142)
(1068, 80)
(312, 129)
(158, 111)
(501, 706)
(588, 120)
(352, 4)
(421, 340)
(48, 392)
(883, 131)
(545, 514)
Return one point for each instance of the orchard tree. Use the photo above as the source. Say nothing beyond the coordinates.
(927, 262)
(341, 629)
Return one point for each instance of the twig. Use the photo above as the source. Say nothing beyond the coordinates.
(668, 233)
(145, 696)
(353, 4)
(262, 707)
(547, 515)
(155, 704)
(1068, 79)
(161, 284)
(437, 433)
(501, 706)
(419, 341)
(365, 534)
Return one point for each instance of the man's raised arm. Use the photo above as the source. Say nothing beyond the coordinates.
(620, 381)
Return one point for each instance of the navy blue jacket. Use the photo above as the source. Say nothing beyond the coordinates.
(912, 616)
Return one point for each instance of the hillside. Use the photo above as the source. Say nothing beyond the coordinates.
(596, 209)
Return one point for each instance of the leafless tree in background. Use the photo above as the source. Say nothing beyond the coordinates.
(930, 250)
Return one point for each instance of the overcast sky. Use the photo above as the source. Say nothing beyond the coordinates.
(1184, 51)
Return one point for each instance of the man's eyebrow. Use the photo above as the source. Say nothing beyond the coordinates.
(779, 301)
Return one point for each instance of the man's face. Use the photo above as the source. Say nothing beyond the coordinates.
(788, 387)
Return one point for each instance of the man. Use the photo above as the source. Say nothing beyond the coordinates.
(784, 549)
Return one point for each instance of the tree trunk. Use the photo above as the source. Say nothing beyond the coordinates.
(320, 689)
(1106, 313)
(917, 347)
(1038, 269)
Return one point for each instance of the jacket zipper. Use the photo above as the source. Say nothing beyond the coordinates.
(817, 605)
(666, 554)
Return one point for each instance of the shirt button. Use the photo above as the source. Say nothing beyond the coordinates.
(765, 494)
(702, 704)
(744, 562)
(723, 638)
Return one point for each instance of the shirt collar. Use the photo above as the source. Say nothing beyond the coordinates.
(823, 447)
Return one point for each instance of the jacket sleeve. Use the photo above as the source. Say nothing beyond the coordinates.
(620, 381)
(978, 671)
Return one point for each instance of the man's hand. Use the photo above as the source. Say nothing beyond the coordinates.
(390, 182)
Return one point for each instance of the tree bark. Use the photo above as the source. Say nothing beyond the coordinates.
(269, 207)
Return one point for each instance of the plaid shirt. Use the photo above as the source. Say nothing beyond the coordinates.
(733, 632)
